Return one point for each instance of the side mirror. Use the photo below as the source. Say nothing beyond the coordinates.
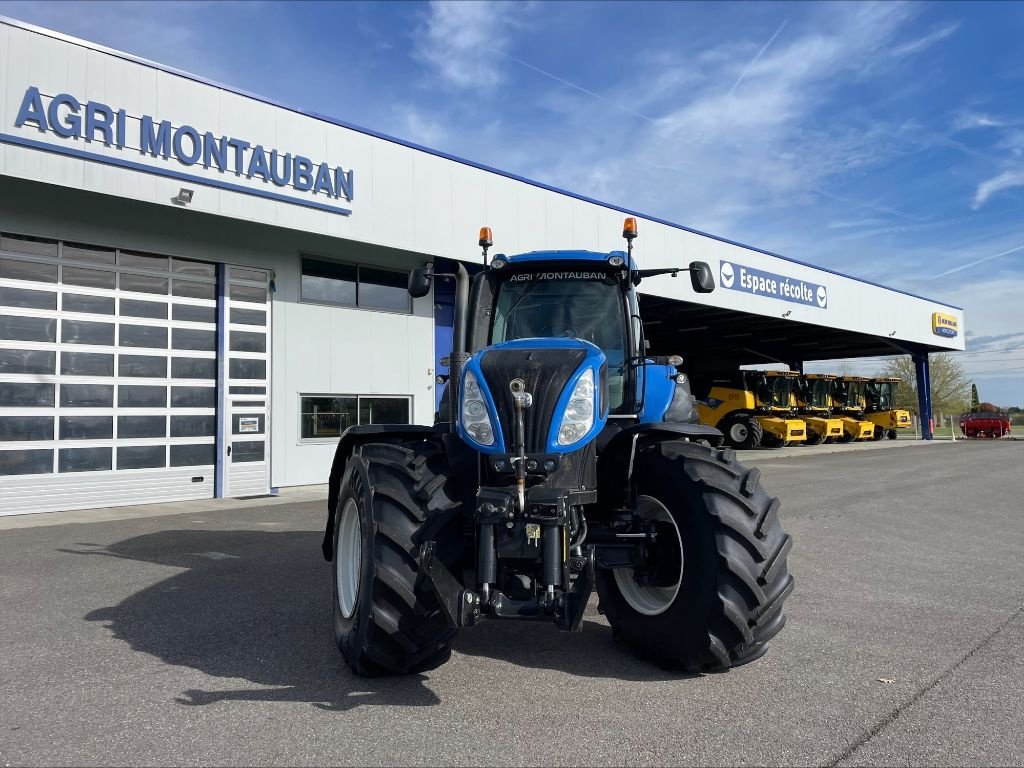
(701, 277)
(420, 280)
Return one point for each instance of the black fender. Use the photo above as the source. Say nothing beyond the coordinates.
(351, 439)
(615, 459)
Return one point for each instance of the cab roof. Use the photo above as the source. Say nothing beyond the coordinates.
(589, 257)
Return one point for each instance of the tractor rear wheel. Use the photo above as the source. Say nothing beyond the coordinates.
(743, 432)
(892, 434)
(878, 434)
(393, 498)
(712, 595)
(846, 437)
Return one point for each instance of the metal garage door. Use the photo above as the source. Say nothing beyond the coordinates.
(108, 376)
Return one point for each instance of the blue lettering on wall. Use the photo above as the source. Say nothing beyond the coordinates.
(99, 117)
(32, 111)
(69, 118)
(738, 277)
(187, 155)
(215, 151)
(303, 173)
(155, 141)
(286, 173)
(71, 125)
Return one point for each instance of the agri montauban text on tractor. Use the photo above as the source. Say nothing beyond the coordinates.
(752, 408)
(564, 459)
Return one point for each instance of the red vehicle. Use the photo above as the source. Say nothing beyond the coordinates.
(989, 424)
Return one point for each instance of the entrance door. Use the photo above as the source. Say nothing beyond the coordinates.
(245, 382)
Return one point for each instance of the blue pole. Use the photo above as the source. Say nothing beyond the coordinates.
(924, 393)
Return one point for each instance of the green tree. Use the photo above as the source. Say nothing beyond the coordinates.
(974, 398)
(950, 387)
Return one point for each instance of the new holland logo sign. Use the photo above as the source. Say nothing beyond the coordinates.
(738, 277)
(944, 325)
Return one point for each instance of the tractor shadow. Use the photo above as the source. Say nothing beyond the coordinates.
(250, 606)
(539, 645)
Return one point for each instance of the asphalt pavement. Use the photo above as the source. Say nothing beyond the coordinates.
(204, 638)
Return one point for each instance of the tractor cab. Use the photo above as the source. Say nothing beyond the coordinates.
(753, 408)
(814, 404)
(849, 404)
(880, 407)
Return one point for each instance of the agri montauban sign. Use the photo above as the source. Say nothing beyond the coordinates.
(180, 151)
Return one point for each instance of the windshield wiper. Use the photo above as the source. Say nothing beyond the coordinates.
(534, 282)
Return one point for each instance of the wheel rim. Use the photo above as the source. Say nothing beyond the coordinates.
(648, 600)
(348, 558)
(739, 432)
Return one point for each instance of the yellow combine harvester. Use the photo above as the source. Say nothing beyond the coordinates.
(849, 404)
(880, 393)
(814, 404)
(753, 408)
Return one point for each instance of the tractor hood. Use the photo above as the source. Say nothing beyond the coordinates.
(566, 379)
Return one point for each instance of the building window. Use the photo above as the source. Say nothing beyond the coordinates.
(351, 285)
(326, 417)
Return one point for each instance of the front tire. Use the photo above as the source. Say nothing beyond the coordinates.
(393, 498)
(892, 434)
(732, 579)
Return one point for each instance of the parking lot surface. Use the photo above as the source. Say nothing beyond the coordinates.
(205, 638)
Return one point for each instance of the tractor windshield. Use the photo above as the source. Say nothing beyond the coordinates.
(851, 393)
(818, 393)
(566, 304)
(886, 396)
(780, 388)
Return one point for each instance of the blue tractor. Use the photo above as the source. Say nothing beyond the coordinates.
(564, 458)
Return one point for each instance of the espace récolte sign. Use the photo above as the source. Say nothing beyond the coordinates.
(182, 151)
(738, 277)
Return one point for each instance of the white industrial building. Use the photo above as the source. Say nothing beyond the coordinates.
(199, 288)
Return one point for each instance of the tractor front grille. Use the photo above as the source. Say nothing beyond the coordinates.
(545, 373)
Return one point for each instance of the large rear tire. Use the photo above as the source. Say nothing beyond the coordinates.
(743, 431)
(393, 498)
(878, 434)
(814, 438)
(891, 434)
(722, 603)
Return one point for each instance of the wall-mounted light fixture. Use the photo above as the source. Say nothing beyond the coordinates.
(787, 313)
(892, 334)
(184, 196)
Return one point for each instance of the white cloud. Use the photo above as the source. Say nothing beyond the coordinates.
(971, 120)
(420, 128)
(459, 40)
(913, 47)
(1000, 183)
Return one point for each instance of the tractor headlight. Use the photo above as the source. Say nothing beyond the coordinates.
(579, 413)
(475, 420)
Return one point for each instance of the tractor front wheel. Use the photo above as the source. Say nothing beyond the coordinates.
(710, 596)
(878, 434)
(393, 498)
(892, 434)
(743, 432)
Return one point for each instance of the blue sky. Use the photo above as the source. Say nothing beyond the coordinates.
(884, 141)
